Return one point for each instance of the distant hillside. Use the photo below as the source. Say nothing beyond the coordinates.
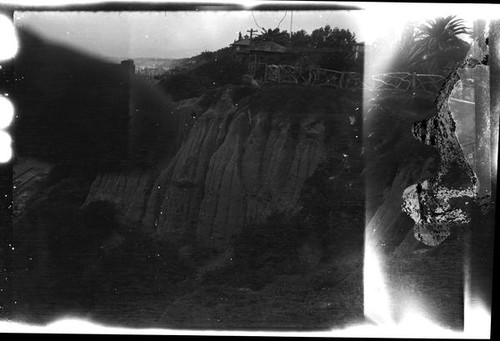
(158, 63)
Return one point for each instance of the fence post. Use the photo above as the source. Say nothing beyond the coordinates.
(414, 82)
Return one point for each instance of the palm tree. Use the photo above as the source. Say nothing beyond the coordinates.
(442, 33)
(409, 52)
(440, 42)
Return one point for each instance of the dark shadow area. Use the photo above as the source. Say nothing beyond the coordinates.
(72, 109)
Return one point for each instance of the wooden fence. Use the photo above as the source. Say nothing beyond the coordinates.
(314, 76)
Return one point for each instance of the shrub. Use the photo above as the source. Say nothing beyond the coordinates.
(183, 85)
(215, 70)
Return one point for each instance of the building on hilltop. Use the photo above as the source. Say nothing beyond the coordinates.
(241, 45)
(260, 54)
(268, 53)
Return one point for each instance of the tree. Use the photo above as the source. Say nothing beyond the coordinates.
(442, 33)
(433, 47)
(341, 40)
(301, 39)
(336, 37)
(277, 36)
(440, 42)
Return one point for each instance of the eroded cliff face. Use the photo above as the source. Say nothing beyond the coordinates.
(127, 190)
(239, 160)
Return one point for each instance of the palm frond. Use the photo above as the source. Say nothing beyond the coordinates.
(426, 47)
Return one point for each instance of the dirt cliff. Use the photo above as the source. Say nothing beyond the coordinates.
(242, 154)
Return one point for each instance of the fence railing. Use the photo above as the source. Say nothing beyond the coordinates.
(407, 82)
(314, 76)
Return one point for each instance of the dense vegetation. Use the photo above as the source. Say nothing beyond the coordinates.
(342, 40)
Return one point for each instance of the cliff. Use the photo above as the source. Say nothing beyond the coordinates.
(242, 154)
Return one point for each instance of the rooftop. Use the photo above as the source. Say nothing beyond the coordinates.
(242, 42)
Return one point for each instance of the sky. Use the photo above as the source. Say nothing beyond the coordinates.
(120, 35)
(167, 34)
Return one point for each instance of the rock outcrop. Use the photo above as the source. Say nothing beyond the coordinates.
(439, 204)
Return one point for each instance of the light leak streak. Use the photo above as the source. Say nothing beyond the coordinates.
(477, 317)
(9, 44)
(5, 147)
(376, 296)
(412, 326)
(6, 112)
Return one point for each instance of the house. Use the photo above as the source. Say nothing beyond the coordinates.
(267, 53)
(241, 45)
(260, 54)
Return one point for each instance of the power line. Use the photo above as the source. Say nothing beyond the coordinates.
(255, 21)
(282, 19)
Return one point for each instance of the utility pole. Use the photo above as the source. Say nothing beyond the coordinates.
(291, 22)
(251, 31)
